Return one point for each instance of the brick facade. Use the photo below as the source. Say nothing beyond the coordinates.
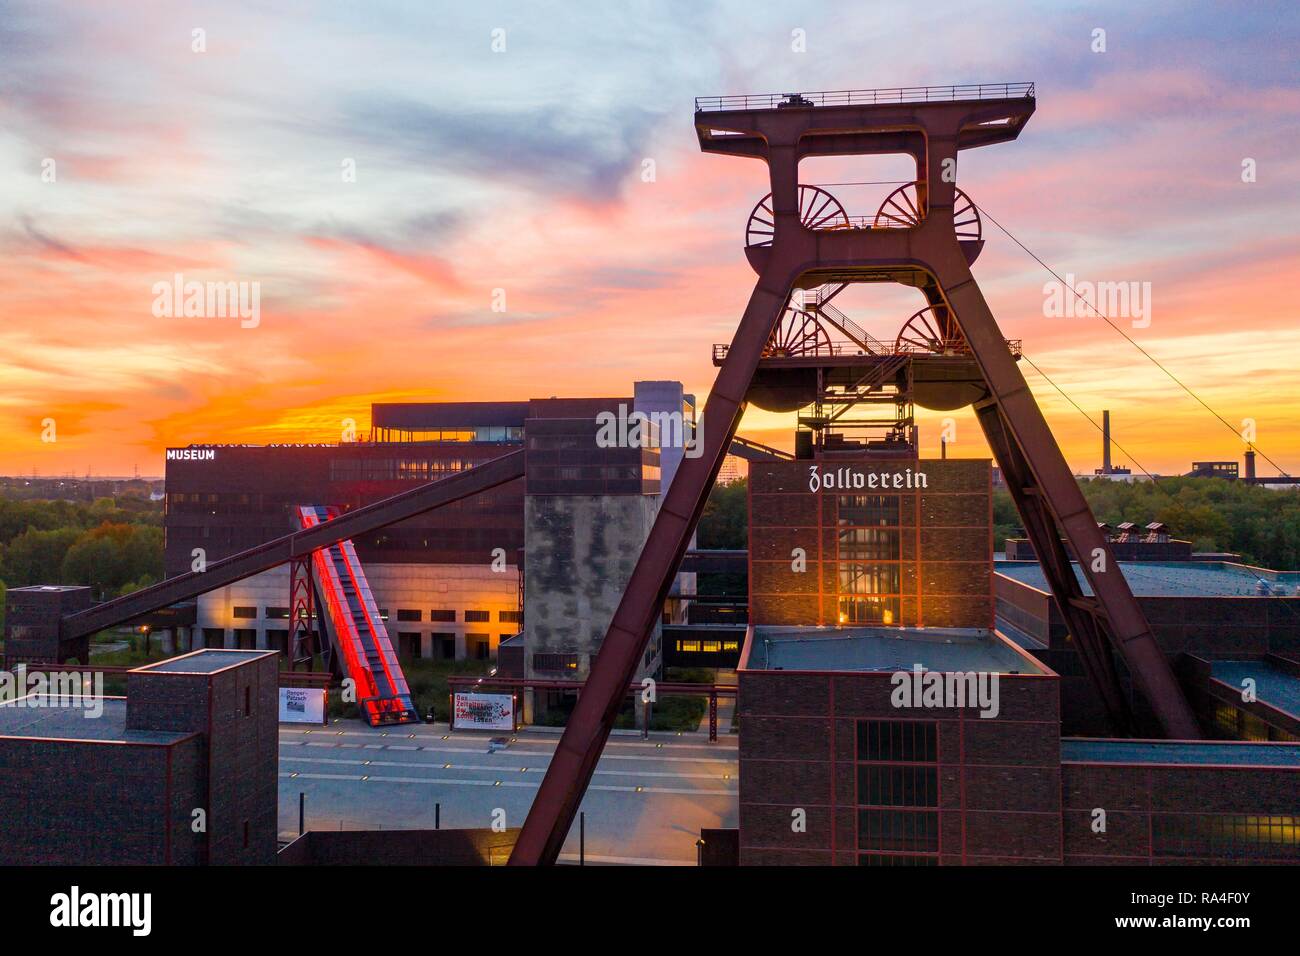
(926, 551)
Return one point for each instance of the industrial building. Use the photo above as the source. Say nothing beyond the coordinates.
(447, 584)
(182, 770)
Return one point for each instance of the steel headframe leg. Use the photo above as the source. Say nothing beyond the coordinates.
(1050, 499)
(588, 727)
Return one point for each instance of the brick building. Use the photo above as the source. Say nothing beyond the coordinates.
(182, 770)
(862, 589)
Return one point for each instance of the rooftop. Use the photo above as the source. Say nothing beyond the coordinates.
(1273, 686)
(206, 661)
(1174, 578)
(1229, 753)
(885, 649)
(56, 718)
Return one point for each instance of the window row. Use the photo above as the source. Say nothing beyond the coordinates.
(405, 615)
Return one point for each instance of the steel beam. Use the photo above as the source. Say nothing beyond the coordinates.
(588, 727)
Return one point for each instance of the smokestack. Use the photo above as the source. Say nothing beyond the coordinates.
(1250, 464)
(1105, 442)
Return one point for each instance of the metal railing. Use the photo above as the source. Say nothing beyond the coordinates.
(955, 347)
(895, 95)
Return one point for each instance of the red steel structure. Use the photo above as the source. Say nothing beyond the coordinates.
(360, 634)
(925, 235)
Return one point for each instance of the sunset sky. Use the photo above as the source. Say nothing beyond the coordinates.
(521, 170)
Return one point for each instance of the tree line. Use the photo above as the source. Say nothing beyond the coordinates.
(113, 545)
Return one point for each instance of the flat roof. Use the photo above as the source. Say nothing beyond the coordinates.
(1170, 578)
(1228, 753)
(1273, 686)
(206, 661)
(885, 649)
(55, 717)
(422, 416)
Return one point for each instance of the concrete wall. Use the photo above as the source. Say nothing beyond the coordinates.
(579, 554)
(421, 587)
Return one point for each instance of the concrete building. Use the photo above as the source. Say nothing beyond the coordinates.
(587, 512)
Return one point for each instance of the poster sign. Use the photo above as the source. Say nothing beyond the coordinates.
(302, 705)
(483, 712)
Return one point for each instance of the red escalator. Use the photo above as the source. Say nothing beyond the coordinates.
(357, 629)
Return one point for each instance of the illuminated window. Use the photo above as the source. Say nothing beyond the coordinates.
(868, 610)
(688, 646)
(1225, 836)
(868, 544)
(868, 578)
(555, 663)
(868, 510)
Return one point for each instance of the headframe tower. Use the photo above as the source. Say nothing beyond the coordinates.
(805, 248)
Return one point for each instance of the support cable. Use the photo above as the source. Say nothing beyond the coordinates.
(1156, 362)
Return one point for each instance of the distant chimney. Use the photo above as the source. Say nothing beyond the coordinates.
(1105, 442)
(1250, 464)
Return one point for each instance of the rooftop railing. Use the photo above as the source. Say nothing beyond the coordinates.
(901, 94)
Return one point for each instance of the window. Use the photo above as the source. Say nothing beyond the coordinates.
(408, 644)
(477, 616)
(513, 617)
(869, 544)
(868, 578)
(446, 645)
(442, 615)
(277, 613)
(897, 741)
(883, 785)
(1225, 836)
(248, 700)
(868, 510)
(868, 610)
(898, 830)
(245, 612)
(555, 663)
(896, 859)
(407, 614)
